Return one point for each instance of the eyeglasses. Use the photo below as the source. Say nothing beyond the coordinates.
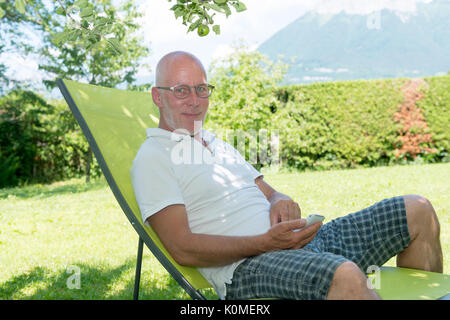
(183, 91)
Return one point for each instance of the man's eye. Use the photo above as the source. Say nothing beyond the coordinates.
(181, 90)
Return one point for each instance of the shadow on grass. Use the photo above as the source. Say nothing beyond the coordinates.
(95, 284)
(58, 188)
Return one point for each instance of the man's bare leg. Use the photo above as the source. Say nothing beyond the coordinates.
(424, 251)
(350, 283)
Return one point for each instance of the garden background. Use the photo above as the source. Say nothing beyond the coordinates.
(343, 146)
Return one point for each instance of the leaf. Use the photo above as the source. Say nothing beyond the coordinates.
(209, 18)
(239, 6)
(60, 37)
(101, 21)
(75, 35)
(226, 8)
(115, 45)
(86, 12)
(2, 13)
(178, 12)
(60, 11)
(214, 7)
(81, 3)
(216, 29)
(20, 6)
(194, 25)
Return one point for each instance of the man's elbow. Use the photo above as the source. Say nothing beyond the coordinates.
(182, 256)
(183, 259)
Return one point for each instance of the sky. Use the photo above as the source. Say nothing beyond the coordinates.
(262, 19)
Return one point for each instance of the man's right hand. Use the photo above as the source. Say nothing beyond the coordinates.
(282, 236)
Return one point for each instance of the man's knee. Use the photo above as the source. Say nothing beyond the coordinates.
(421, 216)
(349, 272)
(349, 282)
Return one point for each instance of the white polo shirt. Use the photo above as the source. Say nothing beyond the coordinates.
(216, 185)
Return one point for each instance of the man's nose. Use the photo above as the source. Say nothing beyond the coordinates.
(193, 98)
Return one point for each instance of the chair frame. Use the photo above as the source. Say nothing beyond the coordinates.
(143, 235)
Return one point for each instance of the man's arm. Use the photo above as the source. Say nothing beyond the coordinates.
(202, 250)
(282, 207)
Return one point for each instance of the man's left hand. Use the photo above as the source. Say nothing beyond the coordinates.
(284, 210)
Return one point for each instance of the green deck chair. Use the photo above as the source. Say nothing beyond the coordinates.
(114, 123)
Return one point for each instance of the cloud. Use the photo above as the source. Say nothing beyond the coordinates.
(25, 69)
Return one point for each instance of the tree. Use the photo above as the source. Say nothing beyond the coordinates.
(3, 79)
(96, 63)
(244, 103)
(244, 96)
(94, 25)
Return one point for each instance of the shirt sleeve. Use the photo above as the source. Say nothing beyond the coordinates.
(154, 182)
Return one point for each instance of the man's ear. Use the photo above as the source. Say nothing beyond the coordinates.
(156, 96)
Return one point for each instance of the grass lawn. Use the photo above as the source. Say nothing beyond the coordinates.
(49, 233)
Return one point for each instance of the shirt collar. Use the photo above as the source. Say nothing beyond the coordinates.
(207, 136)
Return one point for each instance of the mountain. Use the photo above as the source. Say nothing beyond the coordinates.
(382, 44)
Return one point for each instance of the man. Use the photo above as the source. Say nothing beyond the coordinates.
(220, 215)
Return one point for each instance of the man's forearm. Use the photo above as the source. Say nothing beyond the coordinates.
(203, 250)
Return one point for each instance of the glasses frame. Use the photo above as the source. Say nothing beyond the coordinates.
(210, 87)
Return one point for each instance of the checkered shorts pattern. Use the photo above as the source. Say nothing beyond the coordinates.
(368, 237)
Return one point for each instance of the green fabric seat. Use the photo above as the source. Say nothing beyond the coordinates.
(114, 123)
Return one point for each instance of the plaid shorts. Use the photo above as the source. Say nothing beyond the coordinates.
(369, 237)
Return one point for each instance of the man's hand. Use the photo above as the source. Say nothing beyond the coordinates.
(283, 236)
(282, 207)
(284, 210)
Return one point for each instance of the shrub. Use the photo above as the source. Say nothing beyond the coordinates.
(436, 108)
(244, 100)
(324, 125)
(39, 141)
(338, 124)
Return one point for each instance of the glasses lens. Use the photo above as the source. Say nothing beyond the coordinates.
(203, 90)
(181, 91)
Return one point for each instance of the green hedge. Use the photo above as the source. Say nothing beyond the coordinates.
(338, 124)
(350, 124)
(40, 141)
(436, 109)
(320, 126)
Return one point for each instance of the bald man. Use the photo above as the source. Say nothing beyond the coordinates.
(219, 215)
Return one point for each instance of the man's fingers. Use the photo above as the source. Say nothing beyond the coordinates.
(306, 235)
(294, 211)
(295, 224)
(284, 210)
(274, 219)
(285, 213)
(305, 241)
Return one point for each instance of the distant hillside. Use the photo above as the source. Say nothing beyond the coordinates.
(383, 44)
